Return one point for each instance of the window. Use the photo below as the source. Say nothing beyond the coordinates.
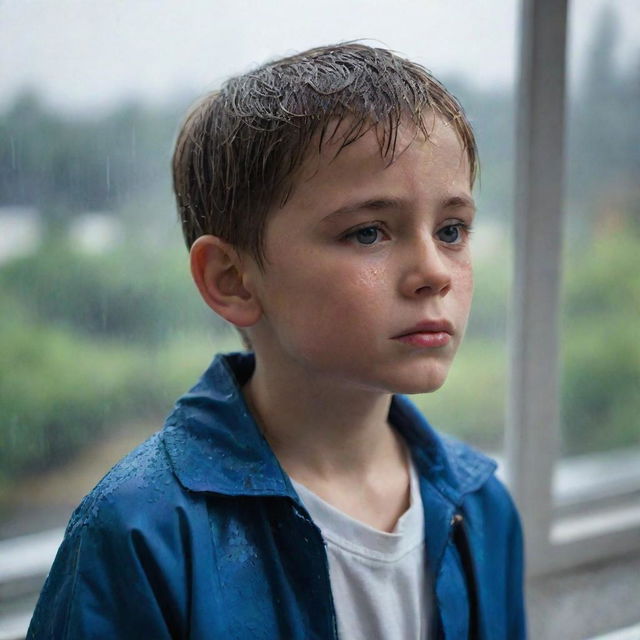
(87, 332)
(579, 517)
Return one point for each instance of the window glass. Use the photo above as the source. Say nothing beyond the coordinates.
(601, 331)
(101, 328)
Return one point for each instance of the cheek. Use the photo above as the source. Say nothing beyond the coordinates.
(463, 284)
(330, 303)
(467, 285)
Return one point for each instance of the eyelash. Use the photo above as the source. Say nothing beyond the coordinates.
(351, 235)
(463, 228)
(464, 231)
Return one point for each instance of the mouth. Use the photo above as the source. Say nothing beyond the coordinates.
(429, 333)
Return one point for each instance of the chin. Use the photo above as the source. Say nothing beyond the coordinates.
(419, 387)
(420, 381)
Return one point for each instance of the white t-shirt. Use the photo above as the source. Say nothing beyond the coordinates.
(378, 579)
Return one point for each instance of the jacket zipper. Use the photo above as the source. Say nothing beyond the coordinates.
(461, 541)
(458, 534)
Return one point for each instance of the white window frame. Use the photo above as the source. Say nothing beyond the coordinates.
(558, 536)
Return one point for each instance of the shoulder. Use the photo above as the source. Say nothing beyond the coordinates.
(136, 491)
(141, 512)
(489, 510)
(471, 468)
(461, 473)
(484, 491)
(135, 532)
(485, 497)
(137, 513)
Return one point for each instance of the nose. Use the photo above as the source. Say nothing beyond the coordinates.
(426, 270)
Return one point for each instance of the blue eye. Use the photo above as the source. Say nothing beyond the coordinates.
(451, 234)
(367, 235)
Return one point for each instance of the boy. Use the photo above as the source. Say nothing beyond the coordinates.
(326, 200)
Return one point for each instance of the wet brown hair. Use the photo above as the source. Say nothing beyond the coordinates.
(239, 148)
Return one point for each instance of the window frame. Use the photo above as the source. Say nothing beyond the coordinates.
(560, 534)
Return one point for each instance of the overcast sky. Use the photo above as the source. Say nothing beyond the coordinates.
(84, 54)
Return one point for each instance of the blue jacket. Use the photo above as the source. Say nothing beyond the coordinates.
(199, 534)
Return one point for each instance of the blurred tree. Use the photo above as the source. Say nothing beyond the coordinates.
(603, 150)
(491, 113)
(130, 295)
(64, 165)
(601, 378)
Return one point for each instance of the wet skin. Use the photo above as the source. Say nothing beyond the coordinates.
(362, 253)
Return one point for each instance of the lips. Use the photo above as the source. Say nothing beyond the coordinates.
(429, 333)
(428, 326)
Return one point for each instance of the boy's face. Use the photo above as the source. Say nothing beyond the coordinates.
(368, 276)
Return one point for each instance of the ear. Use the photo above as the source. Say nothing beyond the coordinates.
(218, 271)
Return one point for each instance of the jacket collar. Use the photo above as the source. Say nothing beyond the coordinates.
(214, 444)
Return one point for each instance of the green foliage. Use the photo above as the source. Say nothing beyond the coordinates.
(81, 346)
(601, 378)
(60, 391)
(492, 273)
(131, 294)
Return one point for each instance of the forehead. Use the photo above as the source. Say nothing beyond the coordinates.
(331, 168)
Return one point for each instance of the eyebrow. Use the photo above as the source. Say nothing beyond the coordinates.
(378, 204)
(459, 201)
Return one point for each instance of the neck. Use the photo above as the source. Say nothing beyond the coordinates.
(321, 427)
